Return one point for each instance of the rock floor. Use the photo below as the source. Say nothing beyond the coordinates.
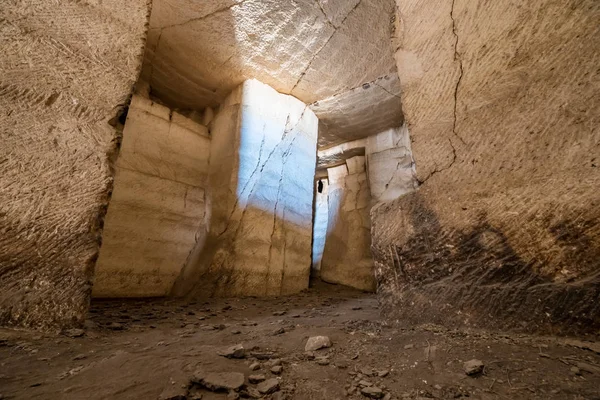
(166, 349)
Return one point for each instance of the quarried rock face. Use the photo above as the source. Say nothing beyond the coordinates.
(66, 69)
(501, 102)
(261, 175)
(347, 256)
(158, 203)
(390, 164)
(336, 52)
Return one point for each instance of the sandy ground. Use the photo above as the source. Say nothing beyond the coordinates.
(157, 349)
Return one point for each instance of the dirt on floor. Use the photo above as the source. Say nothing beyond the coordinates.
(170, 349)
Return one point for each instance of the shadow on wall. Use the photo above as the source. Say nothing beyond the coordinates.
(320, 220)
(475, 276)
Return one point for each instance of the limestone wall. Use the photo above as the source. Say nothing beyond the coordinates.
(347, 255)
(261, 174)
(66, 69)
(502, 102)
(390, 164)
(158, 202)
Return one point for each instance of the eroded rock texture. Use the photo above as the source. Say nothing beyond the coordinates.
(501, 101)
(347, 255)
(65, 70)
(158, 202)
(262, 164)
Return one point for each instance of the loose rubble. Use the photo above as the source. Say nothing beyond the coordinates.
(473, 367)
(317, 343)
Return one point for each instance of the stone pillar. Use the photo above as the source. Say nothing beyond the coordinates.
(320, 224)
(263, 157)
(347, 255)
(157, 204)
(390, 164)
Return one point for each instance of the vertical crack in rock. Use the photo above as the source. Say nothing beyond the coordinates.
(324, 13)
(250, 179)
(458, 58)
(284, 156)
(392, 177)
(436, 170)
(322, 47)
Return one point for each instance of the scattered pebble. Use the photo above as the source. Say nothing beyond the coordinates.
(73, 333)
(277, 370)
(236, 351)
(473, 367)
(279, 331)
(317, 342)
(269, 386)
(256, 378)
(217, 381)
(372, 392)
(254, 366)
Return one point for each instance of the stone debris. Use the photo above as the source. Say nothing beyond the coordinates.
(274, 362)
(256, 378)
(253, 393)
(576, 370)
(372, 392)
(364, 383)
(409, 346)
(276, 370)
(279, 331)
(473, 367)
(269, 386)
(220, 381)
(73, 333)
(236, 351)
(317, 342)
(279, 313)
(254, 366)
(322, 360)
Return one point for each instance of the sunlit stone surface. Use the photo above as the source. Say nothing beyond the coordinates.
(263, 157)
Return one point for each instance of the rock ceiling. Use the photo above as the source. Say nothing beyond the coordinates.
(333, 54)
